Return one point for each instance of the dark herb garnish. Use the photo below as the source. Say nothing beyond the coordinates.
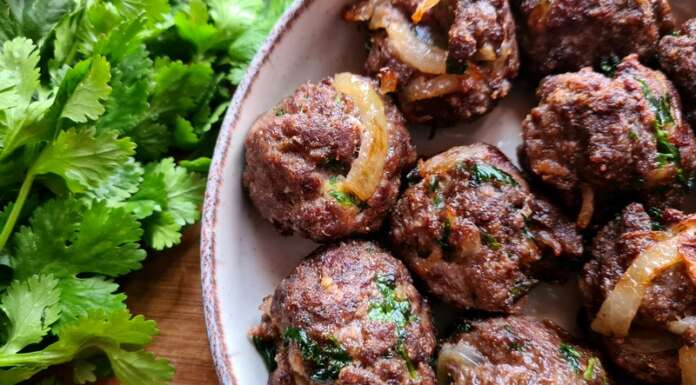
(279, 112)
(456, 67)
(464, 327)
(446, 231)
(666, 151)
(482, 172)
(656, 219)
(326, 360)
(490, 241)
(433, 184)
(520, 288)
(267, 350)
(608, 64)
(413, 176)
(632, 135)
(516, 346)
(395, 310)
(434, 190)
(570, 354)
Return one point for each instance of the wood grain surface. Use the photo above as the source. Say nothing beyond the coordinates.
(168, 290)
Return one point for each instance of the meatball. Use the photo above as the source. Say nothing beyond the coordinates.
(670, 297)
(678, 60)
(452, 65)
(595, 134)
(299, 154)
(566, 35)
(472, 231)
(349, 314)
(517, 351)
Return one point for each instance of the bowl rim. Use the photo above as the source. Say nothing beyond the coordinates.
(211, 205)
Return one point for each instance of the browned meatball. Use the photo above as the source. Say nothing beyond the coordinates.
(599, 135)
(517, 351)
(473, 41)
(300, 151)
(566, 35)
(678, 60)
(349, 314)
(671, 296)
(473, 231)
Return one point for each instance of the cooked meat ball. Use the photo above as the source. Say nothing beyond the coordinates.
(671, 296)
(594, 134)
(473, 231)
(517, 351)
(454, 64)
(349, 314)
(566, 35)
(298, 154)
(678, 60)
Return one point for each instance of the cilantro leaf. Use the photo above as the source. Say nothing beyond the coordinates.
(117, 334)
(66, 237)
(84, 160)
(33, 19)
(168, 199)
(31, 308)
(81, 296)
(85, 102)
(120, 185)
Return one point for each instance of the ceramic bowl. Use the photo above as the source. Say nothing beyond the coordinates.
(242, 256)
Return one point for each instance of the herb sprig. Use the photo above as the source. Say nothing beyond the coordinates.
(108, 114)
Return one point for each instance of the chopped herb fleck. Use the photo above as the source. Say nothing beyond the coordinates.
(413, 176)
(632, 135)
(267, 350)
(520, 288)
(446, 231)
(516, 346)
(456, 67)
(608, 64)
(464, 327)
(481, 172)
(327, 360)
(434, 190)
(433, 184)
(570, 354)
(666, 151)
(395, 310)
(279, 112)
(656, 219)
(590, 370)
(490, 241)
(344, 198)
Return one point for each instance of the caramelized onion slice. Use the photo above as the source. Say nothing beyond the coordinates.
(423, 7)
(422, 89)
(687, 364)
(366, 172)
(461, 355)
(680, 326)
(402, 38)
(586, 208)
(621, 305)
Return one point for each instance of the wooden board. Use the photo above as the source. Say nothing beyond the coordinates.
(168, 290)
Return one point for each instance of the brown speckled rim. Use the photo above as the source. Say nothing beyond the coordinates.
(211, 206)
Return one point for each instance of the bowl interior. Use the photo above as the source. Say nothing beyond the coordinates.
(243, 257)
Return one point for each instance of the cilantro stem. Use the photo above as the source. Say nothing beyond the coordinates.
(16, 209)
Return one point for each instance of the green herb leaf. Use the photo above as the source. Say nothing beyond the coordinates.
(66, 237)
(589, 374)
(327, 360)
(571, 355)
(608, 64)
(490, 241)
(31, 308)
(267, 350)
(482, 172)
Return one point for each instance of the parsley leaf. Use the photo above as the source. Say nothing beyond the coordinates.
(482, 172)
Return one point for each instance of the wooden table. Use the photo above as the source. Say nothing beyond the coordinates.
(168, 290)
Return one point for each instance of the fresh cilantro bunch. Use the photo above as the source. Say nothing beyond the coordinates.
(108, 115)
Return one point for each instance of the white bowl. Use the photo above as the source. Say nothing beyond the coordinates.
(242, 256)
